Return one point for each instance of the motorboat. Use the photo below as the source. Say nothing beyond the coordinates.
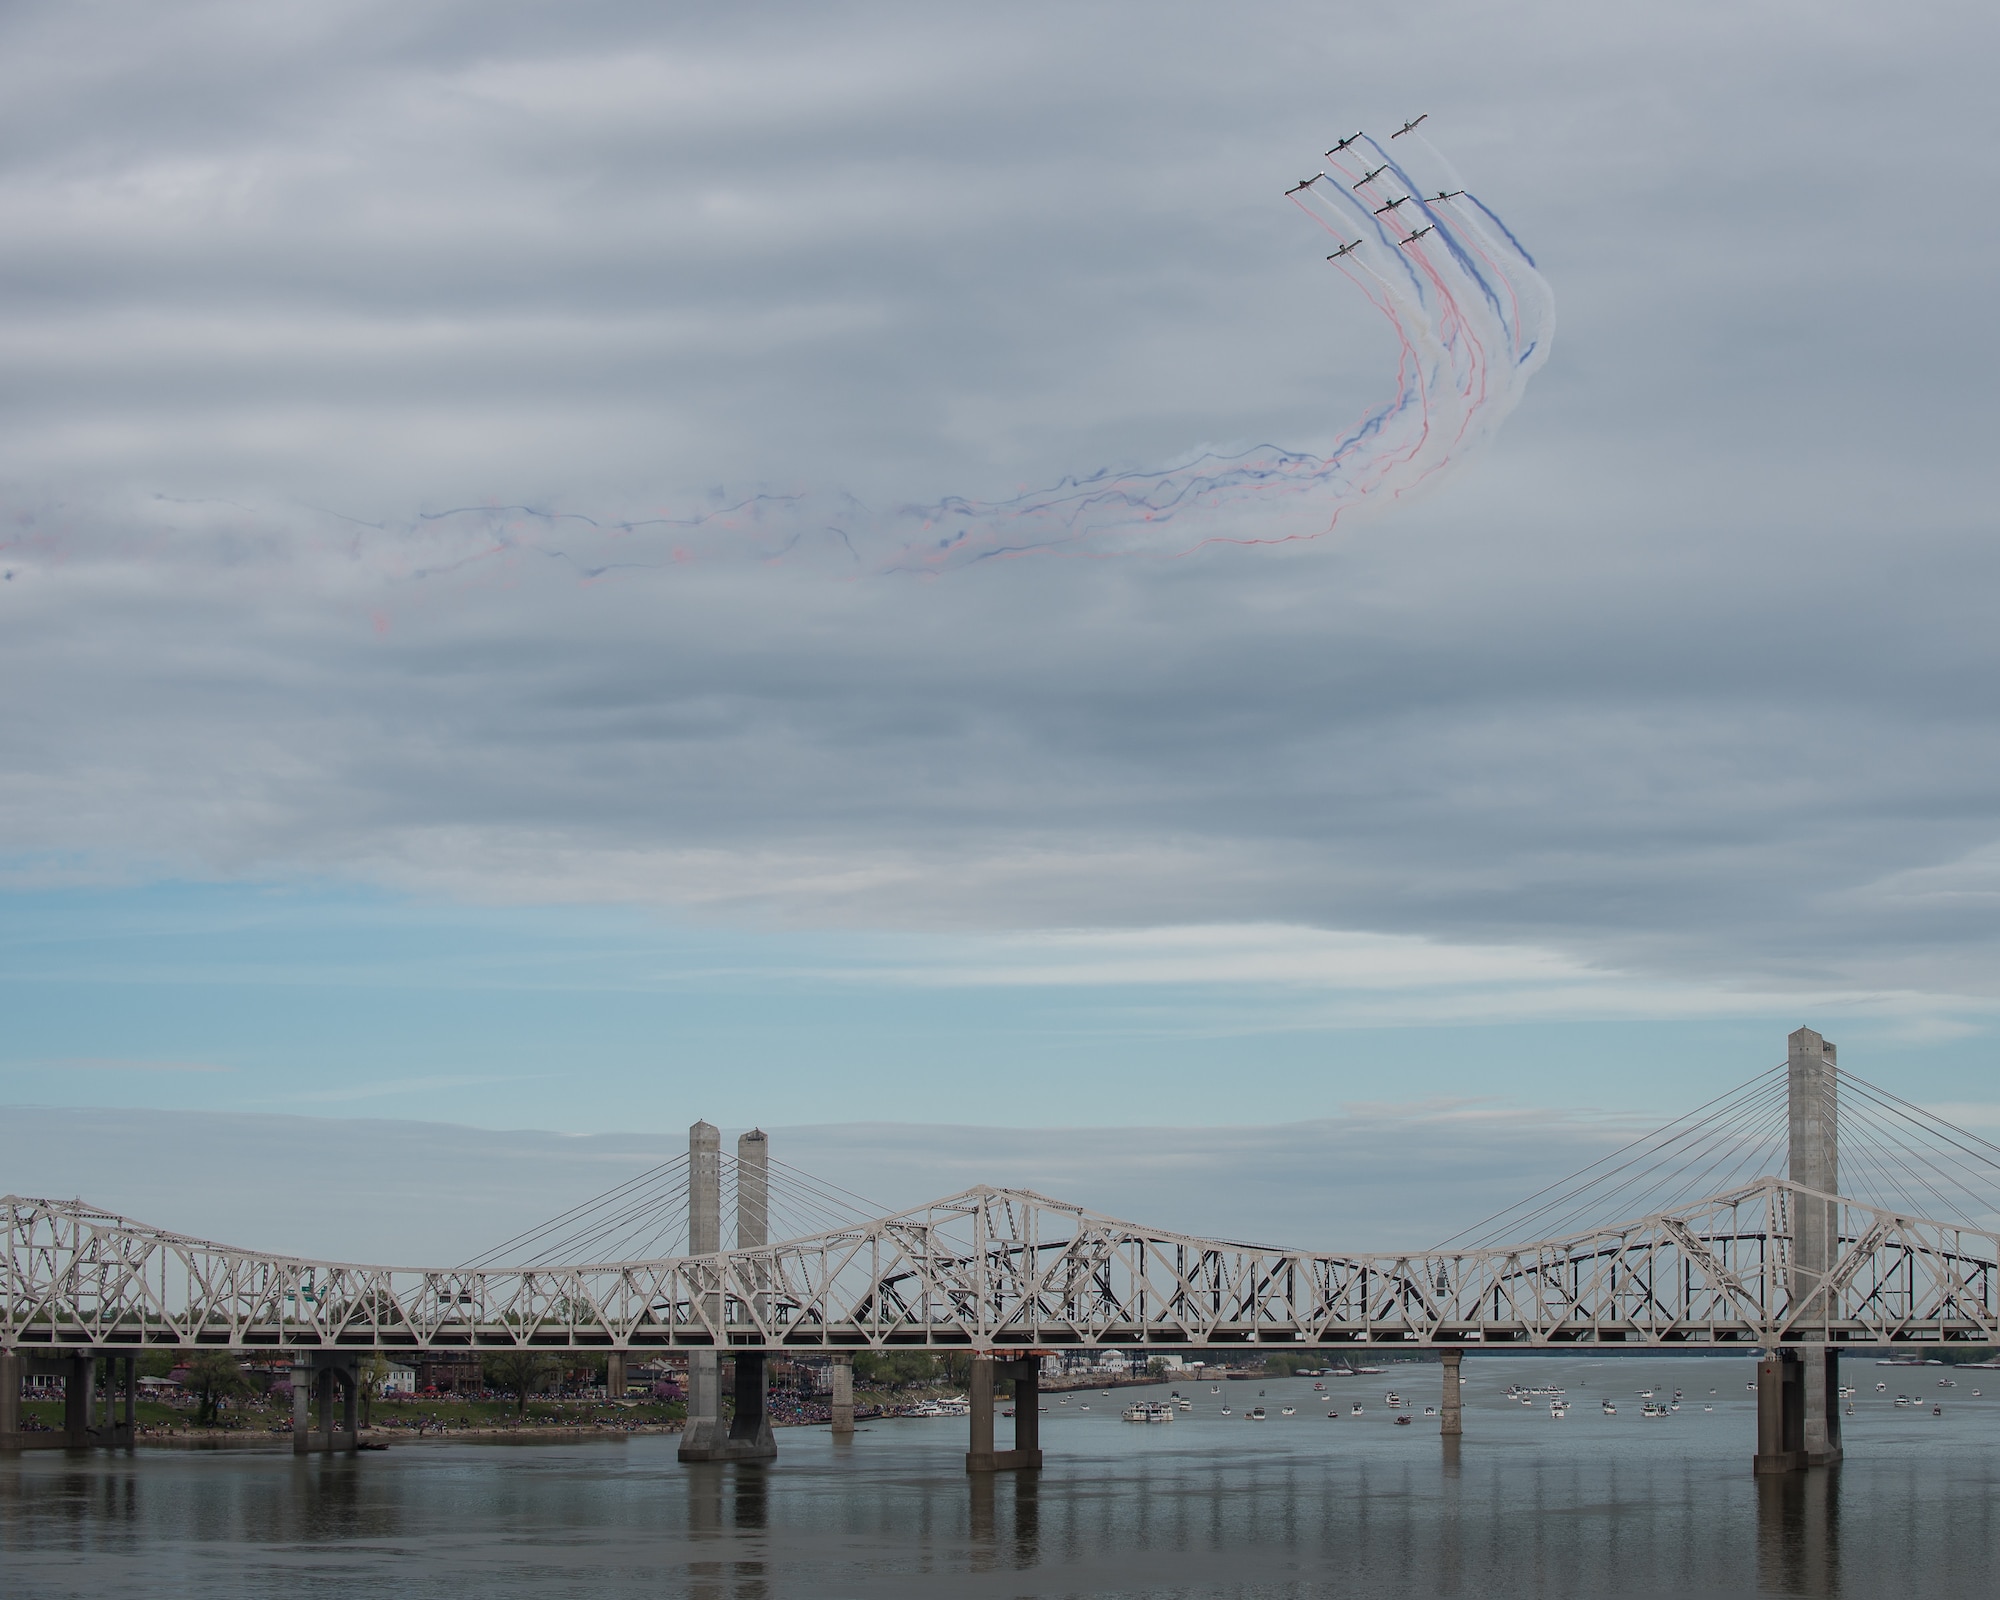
(1357, 1408)
(1185, 1405)
(1653, 1408)
(1609, 1409)
(1256, 1413)
(1149, 1411)
(1288, 1411)
(1392, 1400)
(1227, 1412)
(1405, 1420)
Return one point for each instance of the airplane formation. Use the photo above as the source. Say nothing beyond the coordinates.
(1369, 177)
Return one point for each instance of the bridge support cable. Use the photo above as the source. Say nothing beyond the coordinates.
(1738, 1134)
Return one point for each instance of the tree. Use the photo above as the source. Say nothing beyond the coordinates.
(214, 1376)
(519, 1370)
(374, 1371)
(895, 1369)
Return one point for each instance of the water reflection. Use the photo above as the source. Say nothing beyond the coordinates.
(1798, 1533)
(727, 1505)
(1521, 1507)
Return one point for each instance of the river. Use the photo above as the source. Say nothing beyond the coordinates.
(1592, 1506)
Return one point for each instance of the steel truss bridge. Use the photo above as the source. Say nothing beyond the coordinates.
(1759, 1262)
(993, 1269)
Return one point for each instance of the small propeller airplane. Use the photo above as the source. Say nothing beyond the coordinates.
(1391, 206)
(1408, 127)
(1413, 238)
(1305, 183)
(1368, 178)
(1345, 250)
(1442, 196)
(1344, 143)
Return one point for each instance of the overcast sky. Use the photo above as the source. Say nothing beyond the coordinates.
(1665, 724)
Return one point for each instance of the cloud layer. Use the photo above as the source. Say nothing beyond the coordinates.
(1689, 679)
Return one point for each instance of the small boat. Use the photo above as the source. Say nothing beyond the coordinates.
(1333, 1415)
(1430, 1411)
(1134, 1413)
(1609, 1409)
(1288, 1411)
(1392, 1399)
(1256, 1413)
(1063, 1401)
(1227, 1412)
(1404, 1420)
(1084, 1407)
(1937, 1411)
(1880, 1388)
(370, 1444)
(1653, 1409)
(1215, 1388)
(1850, 1409)
(1318, 1385)
(1185, 1405)
(1947, 1383)
(1357, 1408)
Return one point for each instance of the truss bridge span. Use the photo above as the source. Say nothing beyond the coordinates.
(995, 1269)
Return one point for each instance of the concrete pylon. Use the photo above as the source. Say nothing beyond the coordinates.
(746, 1436)
(1813, 1085)
(1453, 1423)
(750, 1436)
(10, 1399)
(704, 1429)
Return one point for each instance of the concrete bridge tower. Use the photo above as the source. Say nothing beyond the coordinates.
(1798, 1387)
(745, 1435)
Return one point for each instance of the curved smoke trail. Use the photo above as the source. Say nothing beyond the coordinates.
(1473, 316)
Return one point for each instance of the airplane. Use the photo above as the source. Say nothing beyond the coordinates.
(1441, 196)
(1391, 206)
(1413, 238)
(1344, 143)
(1406, 127)
(1346, 249)
(1305, 183)
(1368, 178)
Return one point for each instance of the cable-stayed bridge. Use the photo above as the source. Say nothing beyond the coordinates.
(1729, 1227)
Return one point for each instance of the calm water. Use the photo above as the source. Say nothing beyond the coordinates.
(1294, 1506)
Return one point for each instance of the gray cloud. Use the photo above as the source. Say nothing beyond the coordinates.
(1691, 675)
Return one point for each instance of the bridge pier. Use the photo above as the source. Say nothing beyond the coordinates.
(316, 1378)
(1026, 1371)
(1449, 1408)
(1804, 1385)
(11, 1376)
(93, 1413)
